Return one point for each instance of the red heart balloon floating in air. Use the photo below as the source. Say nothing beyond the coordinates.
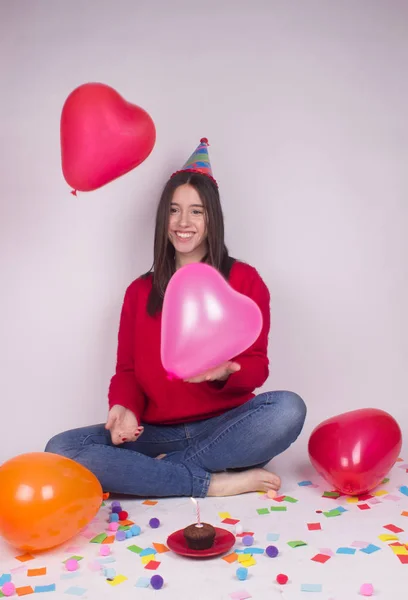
(354, 451)
(102, 136)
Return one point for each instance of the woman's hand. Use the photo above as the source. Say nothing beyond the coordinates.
(220, 373)
(123, 425)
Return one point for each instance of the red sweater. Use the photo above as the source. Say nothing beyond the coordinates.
(140, 382)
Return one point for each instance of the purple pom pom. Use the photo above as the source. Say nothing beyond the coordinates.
(247, 540)
(154, 523)
(156, 582)
(116, 509)
(272, 551)
(120, 535)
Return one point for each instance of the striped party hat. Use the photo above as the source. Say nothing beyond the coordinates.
(199, 161)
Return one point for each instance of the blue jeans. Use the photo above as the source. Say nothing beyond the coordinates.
(247, 436)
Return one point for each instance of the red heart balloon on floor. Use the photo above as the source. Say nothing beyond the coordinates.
(102, 136)
(355, 450)
(205, 322)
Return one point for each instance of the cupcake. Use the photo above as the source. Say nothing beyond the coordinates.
(199, 538)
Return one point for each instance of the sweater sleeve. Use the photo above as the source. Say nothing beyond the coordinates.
(124, 389)
(254, 361)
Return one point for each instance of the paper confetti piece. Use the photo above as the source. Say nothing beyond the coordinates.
(44, 588)
(326, 551)
(352, 500)
(392, 497)
(345, 550)
(135, 549)
(5, 578)
(146, 559)
(106, 560)
(224, 515)
(374, 501)
(25, 557)
(19, 569)
(262, 511)
(143, 582)
(150, 502)
(230, 558)
(360, 544)
(148, 551)
(321, 558)
(290, 499)
(404, 513)
(75, 557)
(304, 483)
(231, 521)
(393, 528)
(340, 509)
(331, 495)
(332, 513)
(364, 497)
(272, 537)
(311, 587)
(403, 559)
(109, 539)
(404, 490)
(387, 537)
(278, 508)
(279, 498)
(241, 595)
(296, 543)
(36, 572)
(242, 557)
(244, 533)
(314, 526)
(98, 539)
(160, 548)
(370, 549)
(153, 565)
(24, 591)
(253, 550)
(385, 480)
(75, 591)
(72, 575)
(249, 562)
(399, 550)
(117, 580)
(364, 506)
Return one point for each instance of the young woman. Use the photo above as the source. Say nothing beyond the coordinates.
(211, 435)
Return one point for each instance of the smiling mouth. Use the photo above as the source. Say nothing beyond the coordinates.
(184, 235)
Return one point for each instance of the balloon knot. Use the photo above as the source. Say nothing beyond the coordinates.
(74, 192)
(204, 141)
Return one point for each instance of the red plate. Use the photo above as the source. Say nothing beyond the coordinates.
(224, 540)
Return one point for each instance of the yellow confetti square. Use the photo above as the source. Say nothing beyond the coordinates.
(242, 558)
(117, 580)
(399, 550)
(250, 562)
(224, 515)
(146, 559)
(388, 537)
(352, 500)
(380, 493)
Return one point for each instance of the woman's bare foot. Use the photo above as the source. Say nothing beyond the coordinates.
(160, 456)
(253, 480)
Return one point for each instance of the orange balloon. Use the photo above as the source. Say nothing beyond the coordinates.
(45, 500)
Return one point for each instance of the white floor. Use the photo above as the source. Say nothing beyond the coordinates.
(340, 577)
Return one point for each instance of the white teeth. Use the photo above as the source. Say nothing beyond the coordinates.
(184, 235)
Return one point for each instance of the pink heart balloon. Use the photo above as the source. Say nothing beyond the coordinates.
(205, 322)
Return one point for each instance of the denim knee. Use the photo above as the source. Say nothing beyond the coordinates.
(59, 444)
(294, 411)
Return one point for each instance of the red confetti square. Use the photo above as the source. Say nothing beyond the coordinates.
(231, 521)
(363, 506)
(251, 533)
(314, 526)
(279, 498)
(152, 565)
(403, 558)
(393, 528)
(321, 558)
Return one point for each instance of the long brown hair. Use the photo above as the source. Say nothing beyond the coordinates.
(164, 264)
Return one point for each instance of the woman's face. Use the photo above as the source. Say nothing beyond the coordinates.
(187, 223)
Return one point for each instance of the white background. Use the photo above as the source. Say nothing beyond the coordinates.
(305, 106)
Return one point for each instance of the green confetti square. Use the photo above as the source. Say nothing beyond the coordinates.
(98, 539)
(262, 511)
(124, 527)
(289, 499)
(135, 549)
(385, 480)
(332, 513)
(278, 508)
(331, 494)
(78, 558)
(296, 543)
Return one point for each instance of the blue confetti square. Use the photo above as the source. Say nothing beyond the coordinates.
(370, 549)
(273, 537)
(5, 578)
(311, 587)
(404, 490)
(346, 551)
(340, 509)
(303, 483)
(44, 588)
(148, 551)
(143, 582)
(75, 591)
